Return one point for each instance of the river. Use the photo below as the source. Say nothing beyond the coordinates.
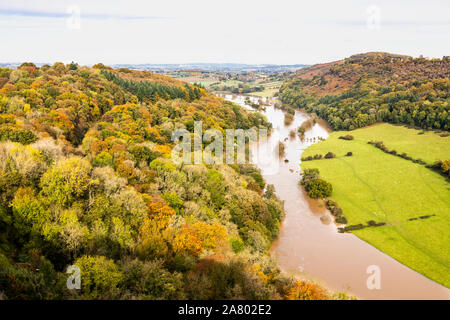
(311, 249)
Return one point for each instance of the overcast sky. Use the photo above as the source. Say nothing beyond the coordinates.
(241, 31)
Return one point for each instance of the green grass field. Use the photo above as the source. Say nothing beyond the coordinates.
(373, 185)
(270, 88)
(203, 83)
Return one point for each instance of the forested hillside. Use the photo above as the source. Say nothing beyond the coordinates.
(374, 87)
(86, 179)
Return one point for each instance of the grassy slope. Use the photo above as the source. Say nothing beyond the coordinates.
(270, 88)
(373, 185)
(428, 146)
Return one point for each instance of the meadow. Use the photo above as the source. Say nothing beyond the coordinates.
(263, 86)
(270, 89)
(374, 185)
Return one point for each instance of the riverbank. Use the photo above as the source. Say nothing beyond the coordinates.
(311, 249)
(372, 185)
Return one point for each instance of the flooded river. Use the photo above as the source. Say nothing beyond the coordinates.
(311, 249)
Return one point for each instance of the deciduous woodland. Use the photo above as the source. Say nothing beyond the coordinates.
(374, 87)
(86, 179)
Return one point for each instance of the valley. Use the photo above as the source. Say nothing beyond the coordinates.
(309, 247)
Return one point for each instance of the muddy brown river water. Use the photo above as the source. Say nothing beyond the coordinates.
(311, 249)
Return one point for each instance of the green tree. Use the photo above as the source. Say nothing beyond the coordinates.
(100, 277)
(66, 181)
(29, 213)
(216, 187)
(174, 201)
(142, 153)
(319, 188)
(73, 66)
(103, 159)
(150, 280)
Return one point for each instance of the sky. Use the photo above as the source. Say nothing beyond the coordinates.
(234, 31)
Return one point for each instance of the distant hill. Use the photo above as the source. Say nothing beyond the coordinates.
(214, 67)
(374, 87)
(206, 67)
